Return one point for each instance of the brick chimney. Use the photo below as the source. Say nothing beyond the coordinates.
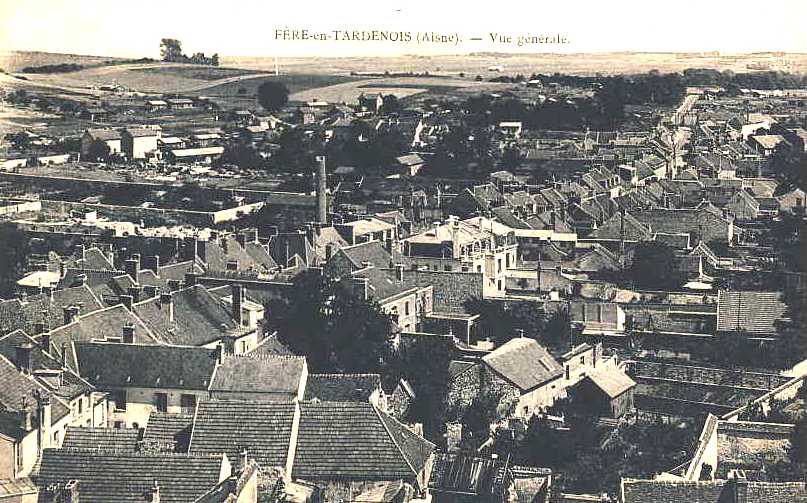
(167, 303)
(22, 355)
(238, 303)
(132, 268)
(128, 333)
(150, 291)
(152, 263)
(44, 412)
(134, 292)
(44, 341)
(71, 313)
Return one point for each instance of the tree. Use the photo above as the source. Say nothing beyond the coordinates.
(654, 267)
(14, 251)
(171, 50)
(214, 59)
(391, 104)
(272, 95)
(98, 151)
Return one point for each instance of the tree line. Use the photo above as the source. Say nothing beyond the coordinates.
(171, 51)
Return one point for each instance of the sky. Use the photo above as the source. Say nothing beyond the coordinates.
(248, 27)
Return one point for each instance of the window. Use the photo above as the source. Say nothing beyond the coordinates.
(188, 403)
(479, 268)
(499, 265)
(447, 267)
(161, 402)
(119, 425)
(81, 405)
(119, 399)
(582, 360)
(406, 309)
(508, 259)
(567, 372)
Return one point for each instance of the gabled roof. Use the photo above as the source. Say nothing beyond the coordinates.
(356, 441)
(66, 385)
(372, 252)
(97, 325)
(524, 363)
(170, 431)
(198, 317)
(264, 429)
(279, 376)
(612, 381)
(749, 311)
(614, 227)
(342, 387)
(16, 389)
(134, 365)
(127, 478)
(25, 314)
(104, 439)
(383, 286)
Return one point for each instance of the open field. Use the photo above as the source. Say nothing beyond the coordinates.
(15, 61)
(399, 86)
(575, 64)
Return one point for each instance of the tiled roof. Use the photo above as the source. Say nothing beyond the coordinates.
(134, 365)
(711, 491)
(128, 478)
(10, 488)
(105, 439)
(748, 311)
(198, 317)
(612, 381)
(339, 440)
(166, 429)
(342, 387)
(279, 376)
(264, 429)
(271, 346)
(523, 362)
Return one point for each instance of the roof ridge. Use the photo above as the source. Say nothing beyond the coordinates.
(136, 454)
(262, 356)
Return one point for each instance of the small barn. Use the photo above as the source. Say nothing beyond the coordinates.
(608, 392)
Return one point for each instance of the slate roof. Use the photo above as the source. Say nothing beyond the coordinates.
(168, 430)
(372, 252)
(612, 381)
(126, 478)
(24, 314)
(276, 375)
(98, 325)
(135, 365)
(264, 429)
(383, 286)
(748, 311)
(15, 388)
(199, 318)
(524, 363)
(105, 439)
(356, 441)
(342, 387)
(70, 385)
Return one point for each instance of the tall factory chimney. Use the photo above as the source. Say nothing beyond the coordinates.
(322, 192)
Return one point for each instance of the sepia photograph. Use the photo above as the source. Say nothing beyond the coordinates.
(403, 252)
